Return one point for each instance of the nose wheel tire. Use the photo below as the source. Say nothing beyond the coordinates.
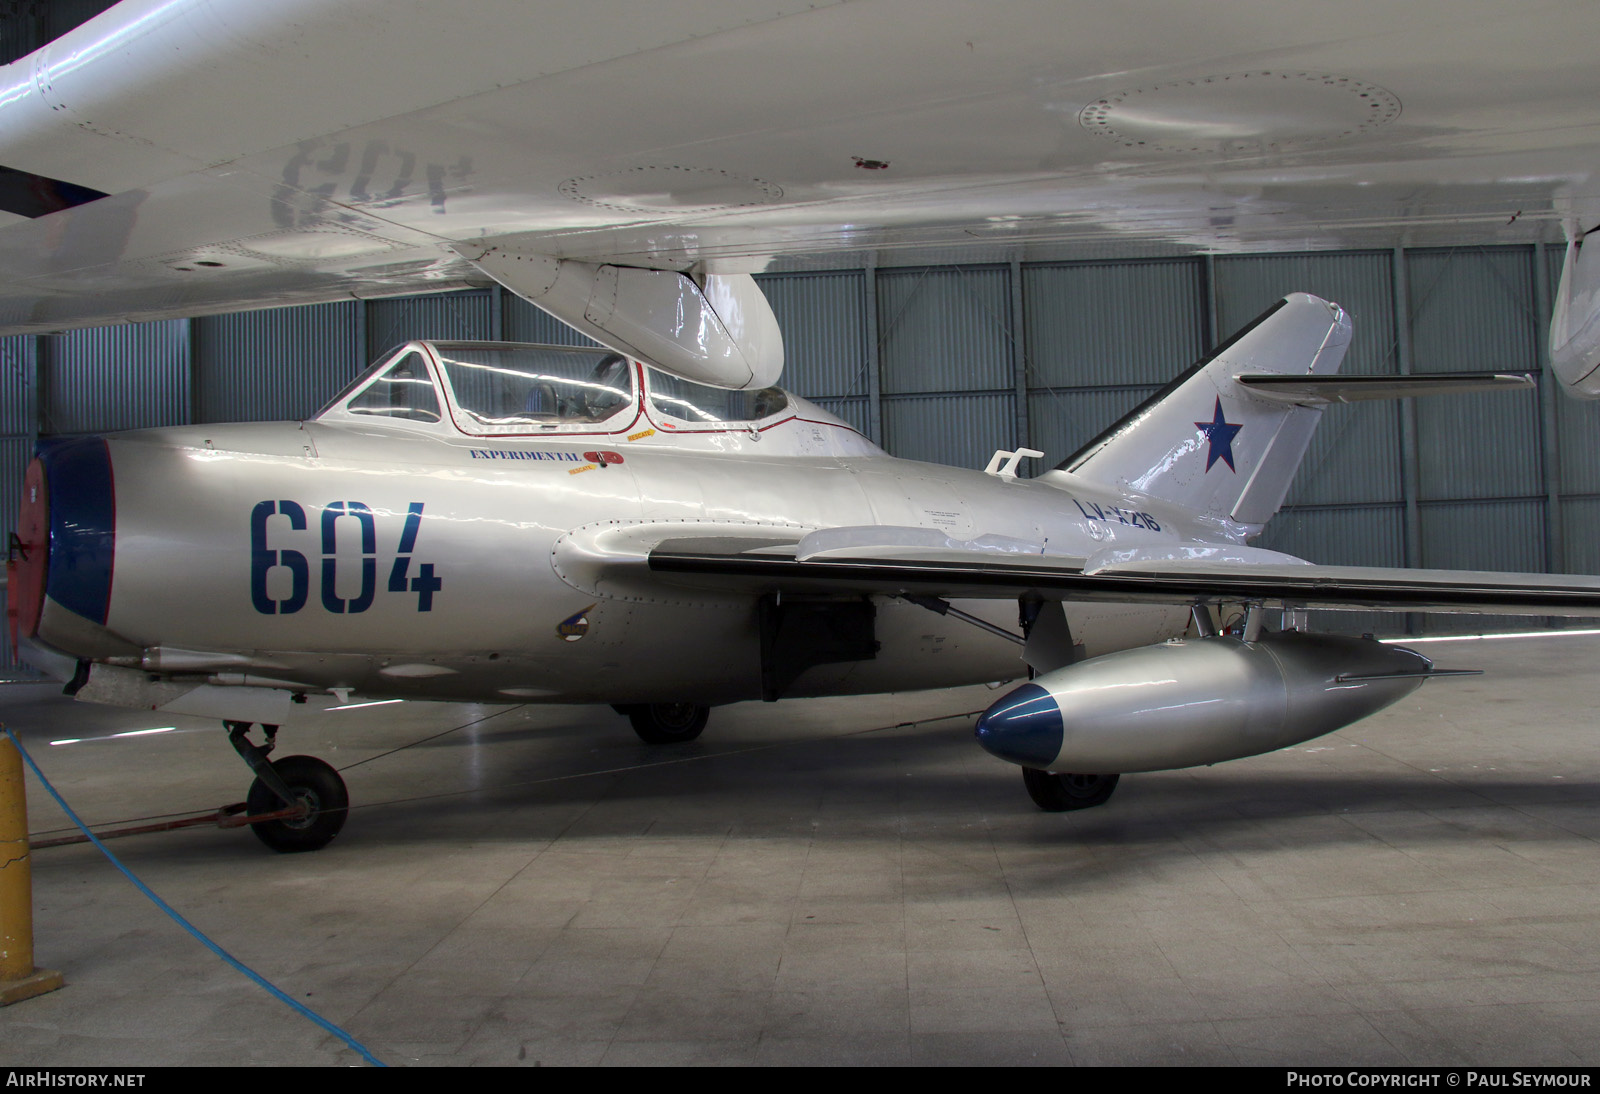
(1057, 792)
(667, 723)
(313, 783)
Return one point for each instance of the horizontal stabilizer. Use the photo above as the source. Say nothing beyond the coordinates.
(1316, 391)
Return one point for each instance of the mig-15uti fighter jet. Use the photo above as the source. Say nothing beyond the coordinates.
(497, 522)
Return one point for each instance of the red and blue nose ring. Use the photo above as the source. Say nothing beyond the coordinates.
(66, 534)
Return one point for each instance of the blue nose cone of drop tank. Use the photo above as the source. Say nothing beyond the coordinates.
(1023, 727)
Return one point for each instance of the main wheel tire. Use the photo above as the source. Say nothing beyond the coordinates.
(1058, 792)
(668, 723)
(313, 782)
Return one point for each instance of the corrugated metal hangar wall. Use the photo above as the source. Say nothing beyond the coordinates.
(948, 363)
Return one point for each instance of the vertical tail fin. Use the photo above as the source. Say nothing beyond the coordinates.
(1210, 445)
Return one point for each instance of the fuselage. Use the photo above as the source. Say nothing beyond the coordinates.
(410, 558)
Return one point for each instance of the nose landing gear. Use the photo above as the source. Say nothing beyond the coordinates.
(296, 804)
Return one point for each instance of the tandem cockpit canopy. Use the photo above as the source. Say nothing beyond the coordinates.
(508, 389)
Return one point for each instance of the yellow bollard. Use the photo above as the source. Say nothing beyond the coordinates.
(19, 980)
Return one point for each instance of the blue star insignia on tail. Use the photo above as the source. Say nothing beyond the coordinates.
(1219, 434)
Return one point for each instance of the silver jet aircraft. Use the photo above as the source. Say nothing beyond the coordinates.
(509, 523)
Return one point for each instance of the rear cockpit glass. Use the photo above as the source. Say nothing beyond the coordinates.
(505, 389)
(404, 391)
(710, 407)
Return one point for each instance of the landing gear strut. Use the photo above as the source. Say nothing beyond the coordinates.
(309, 793)
(666, 723)
(1058, 792)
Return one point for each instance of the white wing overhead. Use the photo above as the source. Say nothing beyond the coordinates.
(177, 157)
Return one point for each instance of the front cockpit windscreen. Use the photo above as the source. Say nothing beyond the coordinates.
(699, 405)
(402, 392)
(505, 389)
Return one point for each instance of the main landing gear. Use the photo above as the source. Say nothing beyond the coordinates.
(665, 723)
(1058, 792)
(302, 799)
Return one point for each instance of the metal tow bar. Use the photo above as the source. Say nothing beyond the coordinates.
(229, 816)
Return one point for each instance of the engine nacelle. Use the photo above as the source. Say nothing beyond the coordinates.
(1190, 702)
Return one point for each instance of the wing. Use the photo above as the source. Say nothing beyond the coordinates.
(178, 157)
(990, 574)
(637, 560)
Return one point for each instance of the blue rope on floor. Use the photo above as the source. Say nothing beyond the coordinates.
(185, 924)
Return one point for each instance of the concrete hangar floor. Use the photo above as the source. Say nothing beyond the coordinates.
(839, 881)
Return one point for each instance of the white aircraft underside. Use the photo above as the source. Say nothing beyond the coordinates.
(261, 154)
